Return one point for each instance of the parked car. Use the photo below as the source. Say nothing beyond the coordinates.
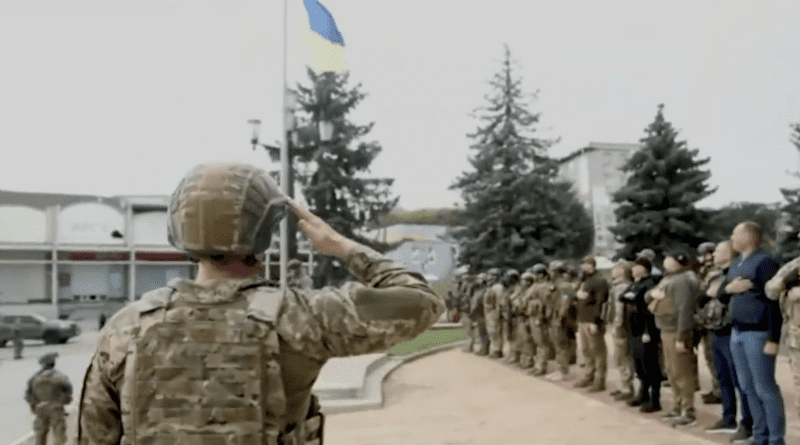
(36, 327)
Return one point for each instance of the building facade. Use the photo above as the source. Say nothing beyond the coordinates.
(596, 174)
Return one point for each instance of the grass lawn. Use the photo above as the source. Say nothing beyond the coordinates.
(429, 339)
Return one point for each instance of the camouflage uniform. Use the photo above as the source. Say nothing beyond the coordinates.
(520, 348)
(615, 318)
(707, 272)
(47, 393)
(491, 301)
(298, 276)
(563, 321)
(539, 307)
(233, 361)
(785, 287)
(478, 316)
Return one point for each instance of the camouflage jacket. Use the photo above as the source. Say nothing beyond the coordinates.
(493, 298)
(783, 281)
(615, 315)
(48, 386)
(392, 305)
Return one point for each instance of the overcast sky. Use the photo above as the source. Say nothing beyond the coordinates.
(124, 99)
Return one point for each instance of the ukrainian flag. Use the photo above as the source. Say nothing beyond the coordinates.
(324, 41)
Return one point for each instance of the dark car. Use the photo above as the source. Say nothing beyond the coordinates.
(36, 327)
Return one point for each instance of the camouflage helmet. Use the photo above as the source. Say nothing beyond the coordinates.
(48, 359)
(224, 208)
(527, 275)
(539, 268)
(706, 248)
(294, 263)
(493, 272)
(512, 273)
(650, 254)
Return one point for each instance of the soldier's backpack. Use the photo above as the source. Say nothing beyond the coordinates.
(207, 372)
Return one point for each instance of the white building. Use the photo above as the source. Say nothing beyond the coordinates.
(595, 172)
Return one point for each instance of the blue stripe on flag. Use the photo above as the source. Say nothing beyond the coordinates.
(322, 21)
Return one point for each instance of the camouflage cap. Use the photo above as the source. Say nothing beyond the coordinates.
(512, 273)
(706, 248)
(493, 272)
(221, 208)
(294, 263)
(539, 268)
(527, 276)
(650, 254)
(48, 359)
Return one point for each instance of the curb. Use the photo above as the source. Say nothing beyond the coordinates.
(373, 397)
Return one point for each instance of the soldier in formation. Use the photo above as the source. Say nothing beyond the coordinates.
(47, 393)
(785, 288)
(621, 277)
(492, 299)
(521, 347)
(706, 271)
(541, 306)
(227, 358)
(297, 276)
(563, 324)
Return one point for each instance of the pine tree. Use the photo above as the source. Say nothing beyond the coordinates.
(787, 247)
(657, 206)
(333, 174)
(519, 213)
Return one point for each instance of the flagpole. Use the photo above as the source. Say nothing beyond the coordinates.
(284, 253)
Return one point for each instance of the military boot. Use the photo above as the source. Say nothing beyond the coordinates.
(598, 386)
(584, 382)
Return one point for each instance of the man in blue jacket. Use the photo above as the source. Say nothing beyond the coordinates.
(756, 333)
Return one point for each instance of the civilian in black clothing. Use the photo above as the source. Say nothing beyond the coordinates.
(645, 338)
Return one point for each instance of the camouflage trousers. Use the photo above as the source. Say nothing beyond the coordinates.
(472, 335)
(623, 359)
(495, 333)
(793, 343)
(564, 346)
(521, 349)
(50, 416)
(543, 344)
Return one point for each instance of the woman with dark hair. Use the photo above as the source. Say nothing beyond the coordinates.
(644, 337)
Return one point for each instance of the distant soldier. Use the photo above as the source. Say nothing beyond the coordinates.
(297, 276)
(510, 286)
(785, 288)
(521, 348)
(47, 393)
(465, 292)
(563, 324)
(17, 340)
(540, 298)
(491, 306)
(477, 314)
(592, 294)
(615, 318)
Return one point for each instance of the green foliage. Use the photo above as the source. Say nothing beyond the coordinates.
(519, 213)
(334, 173)
(429, 339)
(723, 220)
(657, 206)
(787, 246)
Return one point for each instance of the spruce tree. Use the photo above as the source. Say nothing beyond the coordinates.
(787, 246)
(657, 206)
(518, 212)
(334, 174)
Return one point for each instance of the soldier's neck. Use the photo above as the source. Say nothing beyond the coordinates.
(207, 272)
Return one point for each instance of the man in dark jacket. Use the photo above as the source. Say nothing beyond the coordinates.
(756, 333)
(644, 338)
(592, 294)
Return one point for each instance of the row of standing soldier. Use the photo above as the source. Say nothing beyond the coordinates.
(534, 312)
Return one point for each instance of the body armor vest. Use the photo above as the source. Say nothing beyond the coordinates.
(206, 373)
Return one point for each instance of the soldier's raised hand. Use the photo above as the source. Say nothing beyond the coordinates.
(325, 239)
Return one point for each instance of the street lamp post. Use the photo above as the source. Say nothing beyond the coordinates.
(295, 148)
